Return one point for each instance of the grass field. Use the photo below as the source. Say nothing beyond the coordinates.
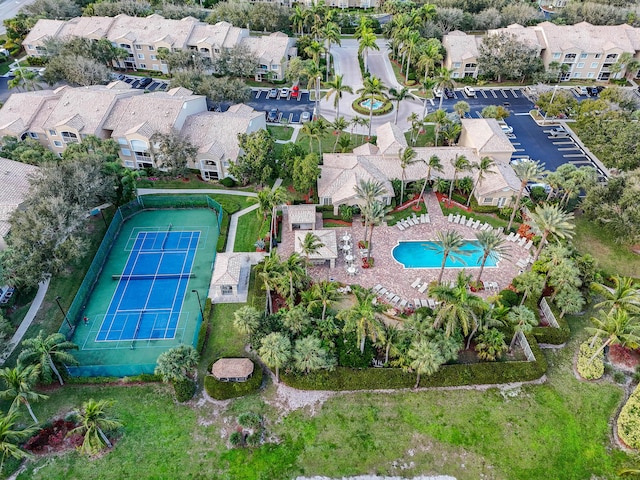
(250, 228)
(280, 133)
(190, 181)
(328, 141)
(424, 140)
(612, 257)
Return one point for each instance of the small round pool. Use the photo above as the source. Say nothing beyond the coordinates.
(377, 104)
(426, 254)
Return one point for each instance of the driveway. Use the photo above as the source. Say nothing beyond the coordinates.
(380, 65)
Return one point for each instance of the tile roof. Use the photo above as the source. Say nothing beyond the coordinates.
(87, 27)
(390, 139)
(329, 248)
(485, 136)
(232, 368)
(14, 178)
(221, 34)
(461, 46)
(42, 29)
(152, 29)
(302, 214)
(270, 49)
(21, 109)
(227, 268)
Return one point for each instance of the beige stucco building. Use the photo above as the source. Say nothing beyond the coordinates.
(588, 50)
(144, 37)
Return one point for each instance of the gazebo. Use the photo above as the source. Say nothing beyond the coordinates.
(232, 369)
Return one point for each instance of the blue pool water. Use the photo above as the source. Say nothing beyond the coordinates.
(376, 104)
(419, 255)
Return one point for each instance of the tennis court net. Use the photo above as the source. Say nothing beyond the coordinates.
(159, 276)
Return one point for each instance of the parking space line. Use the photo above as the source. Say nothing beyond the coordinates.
(564, 149)
(516, 143)
(493, 92)
(515, 95)
(503, 93)
(519, 149)
(479, 114)
(483, 93)
(570, 155)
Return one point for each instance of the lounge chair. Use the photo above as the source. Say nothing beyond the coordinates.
(463, 220)
(417, 303)
(470, 222)
(432, 303)
(395, 299)
(522, 263)
(426, 218)
(489, 228)
(484, 226)
(450, 217)
(382, 291)
(456, 219)
(377, 288)
(501, 229)
(522, 241)
(528, 245)
(424, 302)
(416, 282)
(515, 238)
(423, 218)
(400, 227)
(510, 236)
(476, 224)
(389, 295)
(403, 303)
(423, 287)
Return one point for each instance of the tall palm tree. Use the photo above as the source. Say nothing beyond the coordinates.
(527, 171)
(397, 95)
(389, 340)
(433, 163)
(368, 191)
(361, 318)
(444, 80)
(315, 50)
(298, 18)
(460, 164)
(426, 358)
(323, 293)
(360, 121)
(448, 244)
(372, 87)
(618, 327)
(551, 220)
(47, 352)
(20, 381)
(429, 53)
(331, 34)
(322, 127)
(411, 42)
(461, 108)
(11, 437)
(529, 283)
(439, 119)
(337, 88)
(485, 167)
(293, 278)
(375, 212)
(246, 320)
(339, 124)
(407, 156)
(367, 42)
(275, 350)
(268, 199)
(492, 245)
(270, 271)
(25, 78)
(94, 422)
(625, 295)
(416, 124)
(314, 74)
(343, 142)
(309, 245)
(309, 130)
(522, 319)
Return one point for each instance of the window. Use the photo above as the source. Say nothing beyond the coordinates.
(138, 47)
(570, 56)
(30, 47)
(487, 200)
(274, 67)
(53, 133)
(590, 75)
(216, 50)
(457, 64)
(129, 164)
(143, 65)
(141, 56)
(612, 56)
(124, 45)
(556, 55)
(455, 74)
(580, 65)
(57, 143)
(594, 64)
(151, 49)
(326, 200)
(126, 152)
(69, 137)
(153, 57)
(584, 55)
(156, 67)
(597, 55)
(226, 289)
(577, 74)
(123, 141)
(263, 67)
(33, 134)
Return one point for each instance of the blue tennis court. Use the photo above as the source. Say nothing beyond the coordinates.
(148, 299)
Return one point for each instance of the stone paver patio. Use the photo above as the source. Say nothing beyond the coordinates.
(391, 274)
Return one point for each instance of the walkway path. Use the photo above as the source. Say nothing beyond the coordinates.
(173, 191)
(26, 321)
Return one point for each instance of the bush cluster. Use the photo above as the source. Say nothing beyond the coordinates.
(343, 378)
(629, 420)
(224, 232)
(386, 108)
(204, 327)
(225, 390)
(228, 182)
(551, 335)
(587, 368)
(143, 377)
(185, 389)
(509, 298)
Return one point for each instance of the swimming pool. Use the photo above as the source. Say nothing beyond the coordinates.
(422, 254)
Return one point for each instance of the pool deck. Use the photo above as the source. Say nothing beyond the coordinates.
(391, 274)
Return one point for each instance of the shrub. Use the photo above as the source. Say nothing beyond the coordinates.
(509, 298)
(551, 335)
(249, 420)
(587, 368)
(386, 108)
(204, 327)
(228, 182)
(619, 377)
(254, 440)
(629, 420)
(224, 232)
(349, 352)
(185, 389)
(225, 390)
(236, 439)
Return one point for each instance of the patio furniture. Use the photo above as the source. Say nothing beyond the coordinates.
(484, 226)
(348, 258)
(403, 303)
(424, 287)
(427, 219)
(382, 292)
(510, 236)
(400, 227)
(389, 295)
(515, 237)
(476, 224)
(522, 241)
(416, 282)
(432, 303)
(351, 270)
(463, 220)
(377, 288)
(470, 222)
(522, 263)
(364, 252)
(501, 229)
(416, 302)
(528, 245)
(456, 219)
(395, 299)
(424, 302)
(489, 228)
(450, 217)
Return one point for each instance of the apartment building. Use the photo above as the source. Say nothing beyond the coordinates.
(144, 37)
(588, 50)
(56, 118)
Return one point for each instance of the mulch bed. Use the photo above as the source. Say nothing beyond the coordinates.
(445, 199)
(54, 438)
(624, 358)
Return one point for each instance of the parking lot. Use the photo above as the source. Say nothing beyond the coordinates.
(158, 85)
(288, 108)
(528, 138)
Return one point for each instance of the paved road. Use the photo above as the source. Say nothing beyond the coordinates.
(9, 9)
(4, 89)
(345, 58)
(380, 65)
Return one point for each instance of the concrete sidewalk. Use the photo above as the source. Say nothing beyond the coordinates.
(26, 321)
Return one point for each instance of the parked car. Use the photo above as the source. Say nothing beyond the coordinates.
(305, 117)
(145, 82)
(284, 92)
(273, 93)
(517, 160)
(600, 88)
(469, 91)
(581, 90)
(437, 92)
(593, 91)
(121, 76)
(505, 128)
(272, 116)
(448, 93)
(558, 132)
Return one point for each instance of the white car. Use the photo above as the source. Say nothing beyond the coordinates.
(581, 91)
(505, 128)
(305, 117)
(469, 91)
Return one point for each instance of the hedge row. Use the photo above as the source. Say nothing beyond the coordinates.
(629, 420)
(143, 377)
(224, 231)
(448, 376)
(552, 335)
(591, 366)
(204, 327)
(225, 390)
(386, 108)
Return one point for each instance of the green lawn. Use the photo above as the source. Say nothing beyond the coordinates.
(612, 257)
(426, 139)
(190, 181)
(280, 133)
(394, 217)
(250, 227)
(328, 141)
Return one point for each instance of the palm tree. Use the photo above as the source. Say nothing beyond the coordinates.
(372, 87)
(432, 164)
(522, 319)
(293, 278)
(275, 350)
(389, 340)
(490, 345)
(339, 124)
(416, 124)
(426, 358)
(527, 171)
(309, 245)
(25, 78)
(11, 437)
(359, 121)
(314, 50)
(368, 191)
(460, 164)
(331, 33)
(375, 213)
(461, 108)
(268, 199)
(309, 355)
(246, 320)
(314, 74)
(298, 18)
(443, 80)
(529, 283)
(492, 245)
(322, 127)
(625, 295)
(94, 421)
(19, 382)
(367, 42)
(551, 220)
(407, 156)
(397, 96)
(344, 143)
(448, 244)
(362, 317)
(411, 41)
(309, 130)
(177, 364)
(46, 352)
(323, 293)
(270, 271)
(439, 119)
(484, 167)
(337, 88)
(429, 55)
(618, 327)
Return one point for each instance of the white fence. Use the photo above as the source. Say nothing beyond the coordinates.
(526, 348)
(548, 314)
